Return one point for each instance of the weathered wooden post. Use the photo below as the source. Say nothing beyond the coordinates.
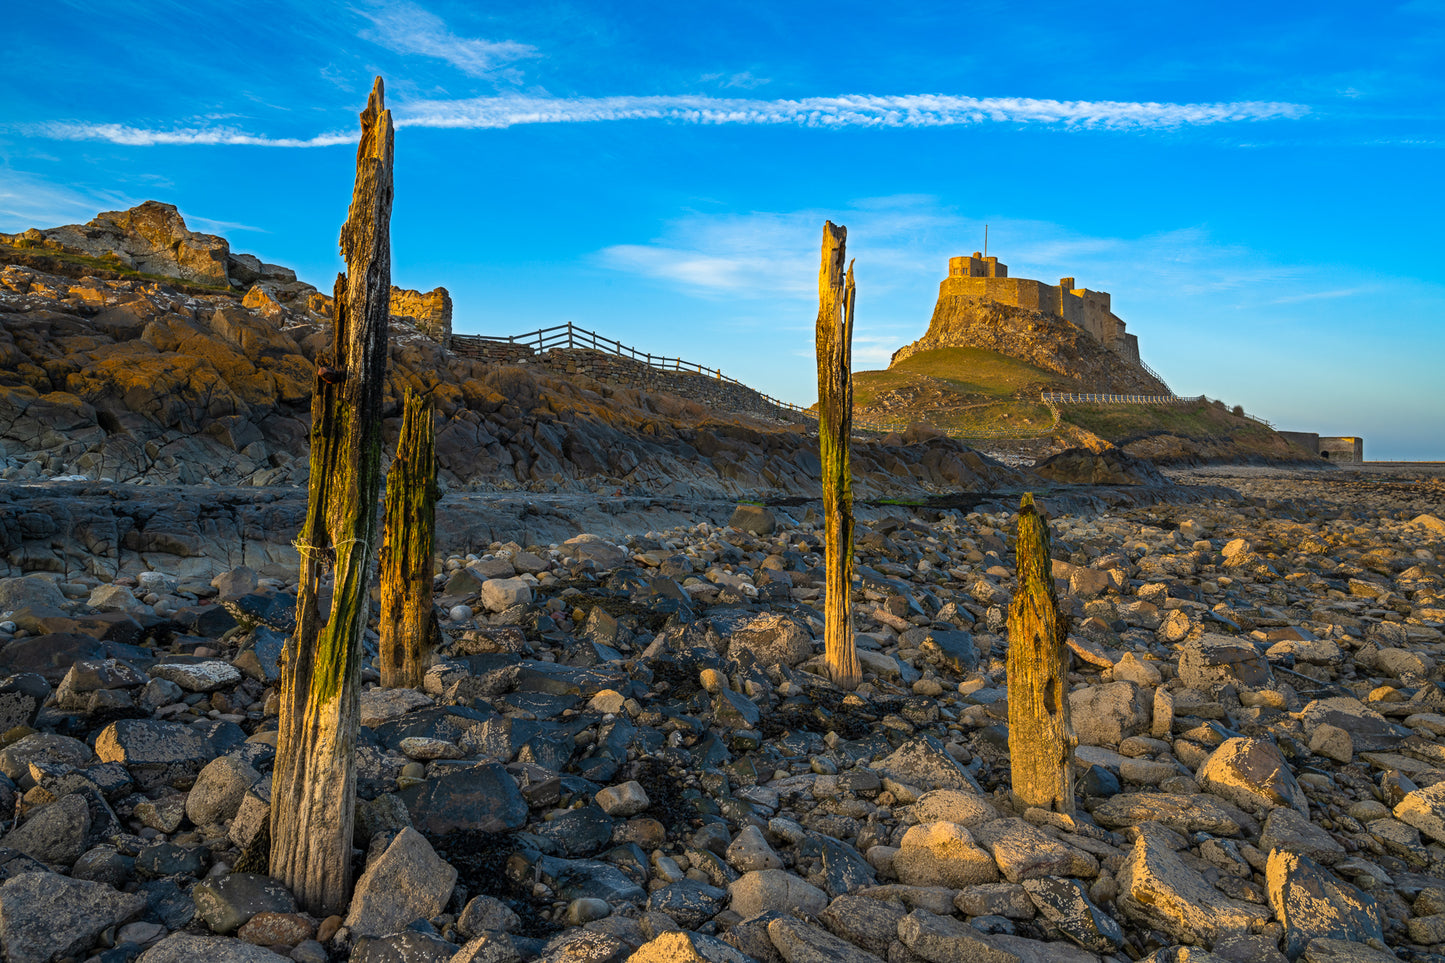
(1040, 738)
(835, 427)
(408, 623)
(314, 781)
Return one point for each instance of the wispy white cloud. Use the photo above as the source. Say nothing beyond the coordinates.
(902, 245)
(868, 111)
(874, 351)
(725, 272)
(214, 226)
(128, 136)
(407, 28)
(29, 200)
(861, 110)
(1321, 295)
(743, 80)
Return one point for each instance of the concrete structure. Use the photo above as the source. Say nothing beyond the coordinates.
(1308, 440)
(1342, 448)
(984, 277)
(1336, 448)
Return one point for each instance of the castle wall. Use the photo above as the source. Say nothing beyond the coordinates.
(1128, 348)
(1097, 315)
(980, 277)
(1071, 307)
(1021, 293)
(976, 266)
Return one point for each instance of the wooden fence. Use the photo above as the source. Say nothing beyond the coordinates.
(570, 336)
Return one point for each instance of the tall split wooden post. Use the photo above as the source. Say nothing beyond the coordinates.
(835, 428)
(314, 782)
(408, 624)
(1040, 737)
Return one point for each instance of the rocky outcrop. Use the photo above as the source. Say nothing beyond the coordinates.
(1080, 466)
(1041, 339)
(136, 383)
(618, 765)
(152, 238)
(429, 313)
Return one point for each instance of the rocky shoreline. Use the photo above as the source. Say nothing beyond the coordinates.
(96, 532)
(626, 749)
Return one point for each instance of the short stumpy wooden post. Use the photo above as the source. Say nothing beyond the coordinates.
(1040, 737)
(314, 782)
(407, 623)
(835, 428)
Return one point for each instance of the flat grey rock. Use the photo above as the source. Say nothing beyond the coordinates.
(1312, 903)
(44, 917)
(799, 942)
(407, 882)
(57, 833)
(188, 948)
(227, 902)
(944, 939)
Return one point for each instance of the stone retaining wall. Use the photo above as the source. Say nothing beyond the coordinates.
(492, 352)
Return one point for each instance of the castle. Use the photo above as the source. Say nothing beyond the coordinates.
(984, 277)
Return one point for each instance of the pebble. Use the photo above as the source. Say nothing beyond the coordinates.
(1253, 676)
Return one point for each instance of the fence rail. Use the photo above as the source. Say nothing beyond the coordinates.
(1052, 398)
(1156, 376)
(1216, 401)
(1091, 398)
(570, 336)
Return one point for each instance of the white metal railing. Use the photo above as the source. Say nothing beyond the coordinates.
(1099, 398)
(1052, 398)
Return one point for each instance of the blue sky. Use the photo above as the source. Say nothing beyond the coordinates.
(1257, 185)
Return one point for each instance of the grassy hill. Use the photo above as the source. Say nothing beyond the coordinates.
(973, 392)
(956, 389)
(1197, 431)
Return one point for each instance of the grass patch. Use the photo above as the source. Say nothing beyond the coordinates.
(1197, 420)
(955, 375)
(1015, 418)
(1022, 415)
(960, 391)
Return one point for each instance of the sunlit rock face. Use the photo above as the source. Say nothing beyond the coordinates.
(430, 313)
(152, 238)
(143, 382)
